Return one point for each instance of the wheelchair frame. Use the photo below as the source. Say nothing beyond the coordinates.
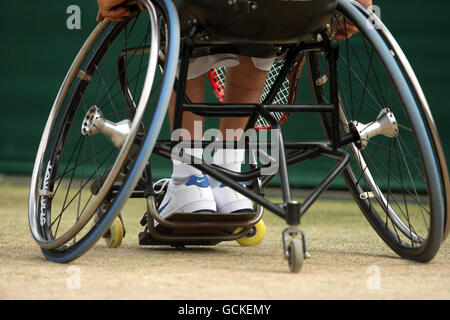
(289, 210)
(138, 183)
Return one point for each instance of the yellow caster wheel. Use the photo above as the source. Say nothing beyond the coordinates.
(115, 234)
(254, 237)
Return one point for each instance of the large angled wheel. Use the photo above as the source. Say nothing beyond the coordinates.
(91, 154)
(397, 174)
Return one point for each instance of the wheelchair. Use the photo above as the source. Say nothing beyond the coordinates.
(106, 121)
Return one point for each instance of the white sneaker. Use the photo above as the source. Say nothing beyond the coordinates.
(195, 195)
(230, 201)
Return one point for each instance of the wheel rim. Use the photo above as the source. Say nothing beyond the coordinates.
(403, 199)
(424, 109)
(77, 156)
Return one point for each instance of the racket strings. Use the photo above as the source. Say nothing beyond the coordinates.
(281, 97)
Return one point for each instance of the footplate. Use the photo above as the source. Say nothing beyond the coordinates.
(146, 239)
(201, 228)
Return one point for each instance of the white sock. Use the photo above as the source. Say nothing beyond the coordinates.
(182, 171)
(230, 159)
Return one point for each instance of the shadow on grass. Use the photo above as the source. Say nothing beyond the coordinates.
(170, 249)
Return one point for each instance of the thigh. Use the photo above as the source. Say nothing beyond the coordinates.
(244, 82)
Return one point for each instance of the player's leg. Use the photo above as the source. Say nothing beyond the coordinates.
(188, 190)
(193, 124)
(244, 85)
(196, 92)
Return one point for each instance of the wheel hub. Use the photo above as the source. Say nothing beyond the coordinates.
(385, 124)
(94, 122)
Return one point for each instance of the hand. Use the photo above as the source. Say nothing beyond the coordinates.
(114, 10)
(346, 30)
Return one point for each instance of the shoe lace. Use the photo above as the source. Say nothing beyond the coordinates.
(160, 185)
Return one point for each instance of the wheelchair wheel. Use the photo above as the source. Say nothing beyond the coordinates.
(396, 174)
(115, 234)
(296, 256)
(254, 237)
(90, 157)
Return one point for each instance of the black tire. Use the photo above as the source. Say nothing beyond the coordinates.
(408, 211)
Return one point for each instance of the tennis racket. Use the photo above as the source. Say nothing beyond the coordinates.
(287, 93)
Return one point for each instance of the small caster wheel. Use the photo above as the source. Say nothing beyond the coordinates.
(296, 256)
(115, 234)
(254, 237)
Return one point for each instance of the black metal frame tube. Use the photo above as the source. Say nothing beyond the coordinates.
(304, 150)
(332, 51)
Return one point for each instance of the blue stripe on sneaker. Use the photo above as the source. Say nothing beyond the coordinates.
(201, 182)
(223, 185)
(164, 206)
